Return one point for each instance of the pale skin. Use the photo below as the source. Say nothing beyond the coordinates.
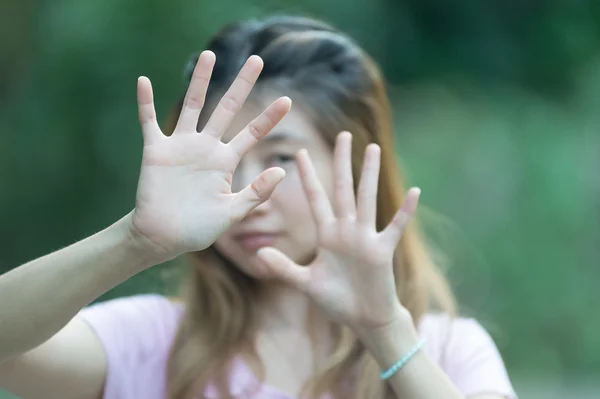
(351, 278)
(185, 202)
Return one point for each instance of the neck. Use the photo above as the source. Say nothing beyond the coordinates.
(288, 315)
(283, 308)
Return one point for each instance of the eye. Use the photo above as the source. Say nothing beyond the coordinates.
(280, 159)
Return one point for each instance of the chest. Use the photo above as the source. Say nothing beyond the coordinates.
(287, 365)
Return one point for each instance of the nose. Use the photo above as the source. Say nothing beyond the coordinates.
(261, 209)
(244, 175)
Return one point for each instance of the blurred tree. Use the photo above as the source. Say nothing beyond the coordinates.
(496, 107)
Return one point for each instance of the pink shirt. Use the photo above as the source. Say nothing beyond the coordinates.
(137, 332)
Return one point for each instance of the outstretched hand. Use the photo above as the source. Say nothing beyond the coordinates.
(184, 199)
(352, 276)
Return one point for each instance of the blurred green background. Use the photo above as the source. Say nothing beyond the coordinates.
(496, 109)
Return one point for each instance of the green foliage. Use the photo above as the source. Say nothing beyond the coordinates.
(495, 104)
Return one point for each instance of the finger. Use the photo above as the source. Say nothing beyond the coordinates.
(146, 112)
(196, 94)
(367, 188)
(394, 230)
(256, 193)
(259, 127)
(315, 193)
(234, 98)
(344, 201)
(283, 268)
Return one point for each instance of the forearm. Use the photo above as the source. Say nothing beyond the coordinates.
(40, 297)
(420, 377)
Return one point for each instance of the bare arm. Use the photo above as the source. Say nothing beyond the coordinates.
(41, 348)
(41, 297)
(183, 203)
(71, 364)
(421, 377)
(357, 261)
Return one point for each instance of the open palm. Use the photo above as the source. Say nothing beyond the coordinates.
(184, 199)
(352, 276)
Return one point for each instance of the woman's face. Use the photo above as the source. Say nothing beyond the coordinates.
(285, 220)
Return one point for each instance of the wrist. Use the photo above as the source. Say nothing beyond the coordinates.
(399, 319)
(390, 342)
(144, 253)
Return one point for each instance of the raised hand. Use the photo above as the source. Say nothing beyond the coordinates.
(184, 199)
(352, 276)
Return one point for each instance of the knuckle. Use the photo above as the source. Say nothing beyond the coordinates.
(254, 130)
(271, 117)
(230, 103)
(255, 189)
(258, 186)
(200, 77)
(245, 79)
(195, 101)
(147, 117)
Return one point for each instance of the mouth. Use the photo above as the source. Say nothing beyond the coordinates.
(253, 241)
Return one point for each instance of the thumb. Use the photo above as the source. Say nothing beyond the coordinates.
(258, 192)
(283, 268)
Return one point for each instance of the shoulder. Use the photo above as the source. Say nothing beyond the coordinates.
(136, 333)
(139, 307)
(450, 338)
(147, 319)
(441, 328)
(137, 303)
(465, 350)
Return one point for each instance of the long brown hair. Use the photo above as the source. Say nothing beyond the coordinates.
(340, 88)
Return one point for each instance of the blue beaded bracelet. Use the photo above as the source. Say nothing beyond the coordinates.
(400, 363)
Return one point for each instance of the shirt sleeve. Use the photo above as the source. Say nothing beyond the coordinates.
(473, 362)
(136, 333)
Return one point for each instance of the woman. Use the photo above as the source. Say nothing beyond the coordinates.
(298, 286)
